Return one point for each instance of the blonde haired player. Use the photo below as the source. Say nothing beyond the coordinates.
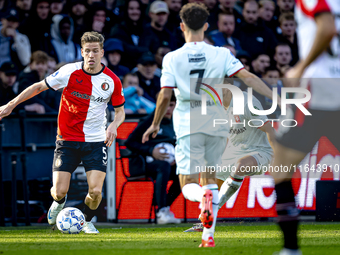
(88, 87)
(198, 142)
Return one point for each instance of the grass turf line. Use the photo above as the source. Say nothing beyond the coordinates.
(252, 238)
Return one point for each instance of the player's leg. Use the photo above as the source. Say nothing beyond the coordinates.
(285, 198)
(65, 161)
(244, 166)
(61, 183)
(94, 158)
(95, 180)
(214, 147)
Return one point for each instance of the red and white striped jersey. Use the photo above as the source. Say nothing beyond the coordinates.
(325, 93)
(82, 111)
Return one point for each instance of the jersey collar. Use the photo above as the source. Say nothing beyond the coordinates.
(82, 67)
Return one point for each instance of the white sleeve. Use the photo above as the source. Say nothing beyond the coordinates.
(168, 76)
(251, 116)
(59, 79)
(233, 65)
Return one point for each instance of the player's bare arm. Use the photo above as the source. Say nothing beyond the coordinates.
(326, 30)
(270, 131)
(255, 82)
(111, 132)
(28, 93)
(162, 104)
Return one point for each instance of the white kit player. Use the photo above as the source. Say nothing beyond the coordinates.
(87, 88)
(318, 28)
(249, 148)
(198, 142)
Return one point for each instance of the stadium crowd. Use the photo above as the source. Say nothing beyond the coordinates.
(39, 36)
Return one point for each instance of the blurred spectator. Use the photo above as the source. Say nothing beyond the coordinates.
(157, 162)
(259, 64)
(160, 53)
(90, 2)
(62, 33)
(5, 5)
(173, 19)
(211, 5)
(224, 6)
(51, 65)
(112, 11)
(113, 49)
(39, 18)
(134, 101)
(146, 74)
(231, 48)
(131, 33)
(78, 10)
(159, 13)
(254, 36)
(208, 40)
(288, 28)
(97, 19)
(46, 101)
(57, 6)
(245, 59)
(282, 56)
(226, 27)
(14, 46)
(8, 78)
(266, 13)
(283, 6)
(23, 7)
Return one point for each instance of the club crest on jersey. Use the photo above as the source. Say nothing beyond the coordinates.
(105, 86)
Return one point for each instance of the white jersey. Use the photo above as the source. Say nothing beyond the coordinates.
(325, 93)
(243, 138)
(198, 60)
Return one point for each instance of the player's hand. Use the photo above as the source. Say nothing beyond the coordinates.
(159, 153)
(151, 130)
(111, 134)
(5, 110)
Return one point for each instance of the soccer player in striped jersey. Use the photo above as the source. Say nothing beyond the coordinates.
(87, 88)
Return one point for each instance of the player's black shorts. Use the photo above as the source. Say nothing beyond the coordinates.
(68, 155)
(310, 129)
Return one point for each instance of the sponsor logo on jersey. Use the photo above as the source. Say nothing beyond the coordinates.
(194, 58)
(79, 81)
(87, 97)
(55, 74)
(105, 86)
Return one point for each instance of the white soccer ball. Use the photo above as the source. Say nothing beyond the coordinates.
(169, 149)
(70, 221)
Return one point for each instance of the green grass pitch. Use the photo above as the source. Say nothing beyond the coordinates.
(230, 238)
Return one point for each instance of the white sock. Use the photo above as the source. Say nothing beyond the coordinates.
(228, 188)
(193, 192)
(209, 232)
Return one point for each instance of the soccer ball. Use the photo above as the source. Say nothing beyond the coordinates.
(70, 220)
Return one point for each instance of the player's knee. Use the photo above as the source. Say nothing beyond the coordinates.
(60, 194)
(95, 193)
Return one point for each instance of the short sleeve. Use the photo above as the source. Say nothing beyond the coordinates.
(233, 65)
(117, 97)
(251, 116)
(312, 8)
(168, 76)
(59, 79)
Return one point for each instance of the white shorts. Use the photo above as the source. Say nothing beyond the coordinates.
(228, 166)
(198, 151)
